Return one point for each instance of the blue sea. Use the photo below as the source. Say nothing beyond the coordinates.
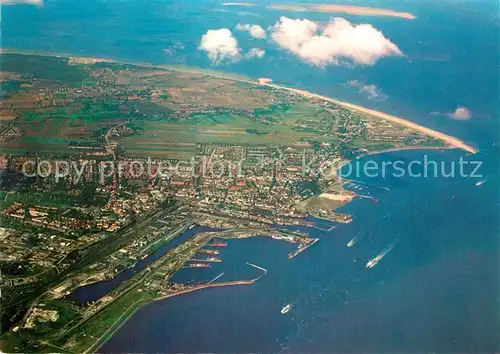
(436, 291)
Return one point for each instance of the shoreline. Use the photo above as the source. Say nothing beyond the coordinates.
(449, 140)
(450, 144)
(343, 9)
(138, 305)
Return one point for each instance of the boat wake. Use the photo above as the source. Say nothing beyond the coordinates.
(374, 261)
(356, 238)
(480, 183)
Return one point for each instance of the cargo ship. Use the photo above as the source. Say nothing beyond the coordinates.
(198, 265)
(218, 244)
(205, 251)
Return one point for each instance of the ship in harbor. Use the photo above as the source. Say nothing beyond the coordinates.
(286, 309)
(374, 261)
(218, 244)
(199, 265)
(208, 251)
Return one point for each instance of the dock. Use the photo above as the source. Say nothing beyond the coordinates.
(211, 259)
(368, 184)
(303, 248)
(326, 230)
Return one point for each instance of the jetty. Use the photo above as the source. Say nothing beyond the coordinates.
(367, 184)
(214, 279)
(303, 248)
(372, 199)
(256, 266)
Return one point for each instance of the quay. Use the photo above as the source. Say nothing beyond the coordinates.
(207, 285)
(211, 259)
(303, 248)
(327, 230)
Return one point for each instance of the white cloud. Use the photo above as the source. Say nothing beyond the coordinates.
(18, 2)
(255, 53)
(220, 45)
(371, 91)
(461, 113)
(255, 30)
(335, 43)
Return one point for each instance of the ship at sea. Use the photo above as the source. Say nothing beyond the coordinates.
(286, 309)
(355, 239)
(374, 261)
(480, 183)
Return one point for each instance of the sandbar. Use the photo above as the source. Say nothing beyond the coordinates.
(347, 9)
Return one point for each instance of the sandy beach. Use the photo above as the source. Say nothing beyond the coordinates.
(451, 141)
(346, 9)
(247, 4)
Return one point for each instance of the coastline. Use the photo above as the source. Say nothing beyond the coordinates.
(449, 140)
(136, 306)
(343, 9)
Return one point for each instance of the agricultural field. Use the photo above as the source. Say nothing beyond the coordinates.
(58, 105)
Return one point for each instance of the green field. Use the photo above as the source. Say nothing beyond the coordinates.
(166, 113)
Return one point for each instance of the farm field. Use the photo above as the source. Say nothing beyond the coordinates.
(75, 106)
